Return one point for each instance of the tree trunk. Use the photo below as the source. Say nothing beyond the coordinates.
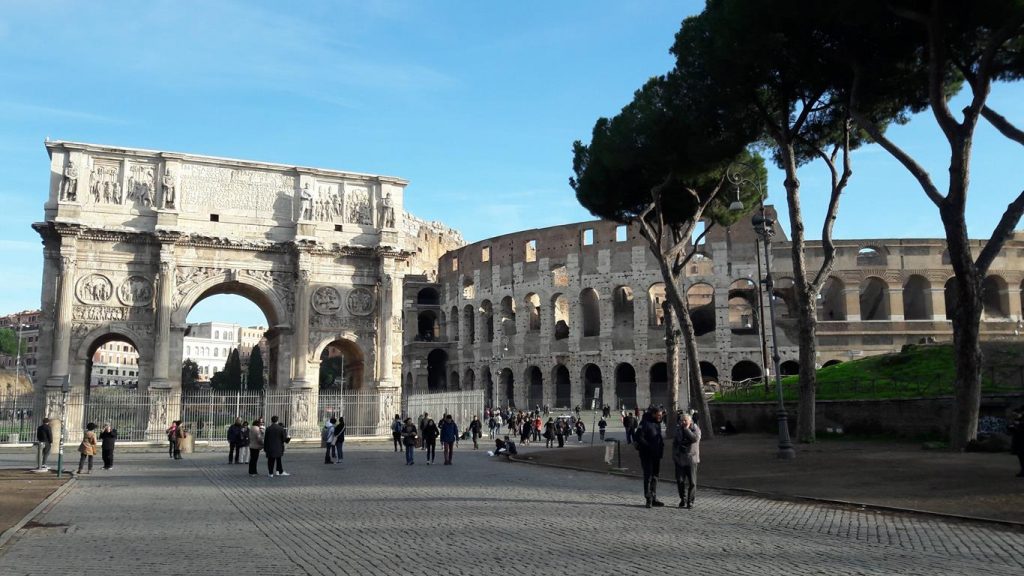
(808, 371)
(698, 401)
(672, 364)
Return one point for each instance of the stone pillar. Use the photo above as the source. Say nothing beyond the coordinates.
(164, 306)
(63, 315)
(300, 328)
(896, 303)
(938, 298)
(390, 322)
(1013, 295)
(852, 296)
(162, 411)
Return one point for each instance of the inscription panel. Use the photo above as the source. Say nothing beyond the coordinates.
(206, 187)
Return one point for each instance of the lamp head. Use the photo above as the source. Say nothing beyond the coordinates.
(736, 206)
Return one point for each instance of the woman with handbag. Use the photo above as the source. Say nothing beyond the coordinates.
(87, 448)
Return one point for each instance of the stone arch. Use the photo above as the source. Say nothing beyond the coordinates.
(708, 372)
(532, 302)
(785, 298)
(342, 364)
(487, 312)
(428, 326)
(951, 297)
(701, 265)
(832, 301)
(469, 319)
(659, 384)
(437, 370)
(743, 307)
(508, 316)
(995, 298)
(488, 385)
(563, 386)
(256, 291)
(874, 299)
(917, 298)
(625, 385)
(745, 370)
(453, 324)
(468, 288)
(622, 310)
(873, 256)
(655, 299)
(453, 381)
(701, 297)
(507, 382)
(534, 379)
(590, 312)
(592, 380)
(560, 316)
(832, 362)
(469, 380)
(103, 335)
(428, 297)
(789, 368)
(409, 383)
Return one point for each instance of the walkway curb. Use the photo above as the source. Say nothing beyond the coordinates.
(58, 493)
(797, 498)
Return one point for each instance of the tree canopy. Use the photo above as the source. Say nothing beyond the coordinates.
(254, 370)
(9, 342)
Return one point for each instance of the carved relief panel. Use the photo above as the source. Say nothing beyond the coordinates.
(357, 206)
(141, 188)
(105, 182)
(203, 187)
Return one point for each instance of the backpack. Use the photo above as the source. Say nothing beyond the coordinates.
(396, 427)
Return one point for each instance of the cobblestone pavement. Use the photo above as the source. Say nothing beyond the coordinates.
(374, 515)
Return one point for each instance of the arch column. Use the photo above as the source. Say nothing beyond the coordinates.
(62, 317)
(165, 295)
(1013, 295)
(938, 299)
(302, 395)
(852, 296)
(896, 303)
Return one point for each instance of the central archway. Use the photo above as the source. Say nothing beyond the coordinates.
(593, 386)
(342, 366)
(563, 387)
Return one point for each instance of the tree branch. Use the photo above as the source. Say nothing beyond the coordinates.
(839, 183)
(680, 264)
(909, 163)
(936, 74)
(1002, 232)
(1005, 127)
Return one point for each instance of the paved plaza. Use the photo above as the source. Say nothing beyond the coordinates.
(373, 515)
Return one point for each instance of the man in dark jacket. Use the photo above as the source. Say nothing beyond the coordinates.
(45, 438)
(274, 440)
(651, 445)
(686, 456)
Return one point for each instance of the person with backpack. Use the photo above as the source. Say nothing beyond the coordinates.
(449, 434)
(339, 439)
(429, 433)
(396, 431)
(409, 440)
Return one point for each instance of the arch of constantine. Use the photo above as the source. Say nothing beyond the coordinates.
(133, 239)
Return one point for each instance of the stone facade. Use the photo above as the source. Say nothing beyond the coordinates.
(548, 316)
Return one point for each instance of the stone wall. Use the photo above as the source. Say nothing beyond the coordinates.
(910, 417)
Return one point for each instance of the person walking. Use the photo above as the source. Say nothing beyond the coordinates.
(1017, 438)
(476, 431)
(243, 441)
(274, 439)
(549, 433)
(686, 456)
(327, 440)
(172, 438)
(87, 448)
(651, 446)
(629, 423)
(339, 439)
(449, 434)
(257, 434)
(234, 441)
(409, 440)
(429, 433)
(396, 431)
(602, 424)
(108, 436)
(44, 435)
(561, 428)
(179, 439)
(580, 429)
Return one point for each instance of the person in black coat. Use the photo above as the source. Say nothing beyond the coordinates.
(1017, 438)
(107, 439)
(651, 445)
(45, 438)
(274, 440)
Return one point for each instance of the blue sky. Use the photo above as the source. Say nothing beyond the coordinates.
(477, 104)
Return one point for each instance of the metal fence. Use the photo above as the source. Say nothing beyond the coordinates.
(461, 405)
(206, 413)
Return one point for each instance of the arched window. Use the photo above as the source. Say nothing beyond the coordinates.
(536, 389)
(590, 312)
(428, 326)
(453, 325)
(508, 316)
(655, 298)
(428, 297)
(995, 298)
(487, 312)
(701, 298)
(625, 386)
(832, 301)
(560, 311)
(563, 388)
(593, 387)
(871, 256)
(437, 371)
(874, 299)
(659, 384)
(532, 302)
(742, 307)
(917, 298)
(469, 319)
(745, 370)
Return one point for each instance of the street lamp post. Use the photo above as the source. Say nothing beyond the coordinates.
(764, 228)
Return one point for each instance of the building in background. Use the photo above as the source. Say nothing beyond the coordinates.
(26, 325)
(115, 363)
(209, 344)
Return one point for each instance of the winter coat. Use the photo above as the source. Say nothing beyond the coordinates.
(449, 431)
(409, 435)
(686, 446)
(234, 434)
(274, 440)
(88, 445)
(431, 432)
(648, 439)
(256, 434)
(108, 438)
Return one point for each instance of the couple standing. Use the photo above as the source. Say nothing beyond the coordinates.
(685, 456)
(270, 440)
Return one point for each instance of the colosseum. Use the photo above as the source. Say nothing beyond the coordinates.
(571, 314)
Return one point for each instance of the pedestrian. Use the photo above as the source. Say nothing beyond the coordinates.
(44, 435)
(234, 441)
(180, 436)
(476, 431)
(629, 423)
(428, 434)
(686, 456)
(549, 432)
(108, 436)
(409, 440)
(561, 427)
(243, 442)
(1017, 438)
(339, 439)
(651, 446)
(274, 439)
(396, 431)
(491, 425)
(420, 425)
(535, 427)
(580, 429)
(256, 435)
(172, 438)
(449, 434)
(327, 440)
(87, 448)
(601, 425)
(525, 431)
